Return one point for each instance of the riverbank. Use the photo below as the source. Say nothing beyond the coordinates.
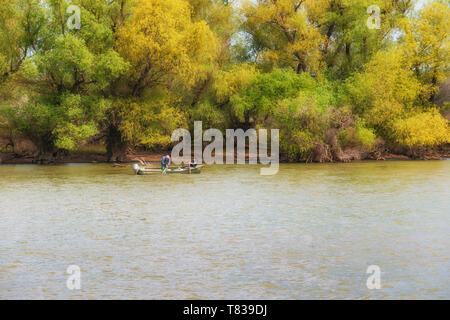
(58, 158)
(19, 150)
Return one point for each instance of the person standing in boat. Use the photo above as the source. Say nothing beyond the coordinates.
(165, 162)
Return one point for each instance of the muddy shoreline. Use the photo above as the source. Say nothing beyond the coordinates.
(11, 158)
(20, 150)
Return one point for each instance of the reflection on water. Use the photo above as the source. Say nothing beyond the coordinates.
(309, 232)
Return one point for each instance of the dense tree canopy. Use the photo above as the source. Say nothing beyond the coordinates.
(136, 70)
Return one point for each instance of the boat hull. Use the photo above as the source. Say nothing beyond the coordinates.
(139, 170)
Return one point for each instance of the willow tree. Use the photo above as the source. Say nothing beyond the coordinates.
(21, 26)
(221, 19)
(166, 48)
(163, 44)
(67, 72)
(385, 90)
(283, 35)
(308, 34)
(350, 43)
(427, 45)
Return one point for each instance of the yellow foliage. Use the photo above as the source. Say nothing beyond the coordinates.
(290, 37)
(149, 124)
(427, 43)
(161, 40)
(386, 88)
(228, 83)
(317, 9)
(422, 130)
(11, 35)
(384, 112)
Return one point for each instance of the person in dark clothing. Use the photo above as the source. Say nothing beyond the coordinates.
(165, 162)
(193, 163)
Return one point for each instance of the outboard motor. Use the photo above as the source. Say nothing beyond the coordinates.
(136, 168)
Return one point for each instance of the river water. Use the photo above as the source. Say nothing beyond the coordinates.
(311, 231)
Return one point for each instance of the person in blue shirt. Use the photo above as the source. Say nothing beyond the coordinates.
(165, 162)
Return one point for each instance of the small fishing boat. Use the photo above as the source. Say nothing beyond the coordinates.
(146, 170)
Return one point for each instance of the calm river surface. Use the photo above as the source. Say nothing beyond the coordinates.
(309, 232)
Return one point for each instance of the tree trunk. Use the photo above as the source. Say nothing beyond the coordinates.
(434, 83)
(300, 68)
(327, 40)
(115, 147)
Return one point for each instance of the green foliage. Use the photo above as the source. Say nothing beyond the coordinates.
(63, 123)
(302, 125)
(70, 66)
(261, 95)
(34, 120)
(296, 104)
(357, 136)
(229, 82)
(365, 136)
(76, 121)
(210, 115)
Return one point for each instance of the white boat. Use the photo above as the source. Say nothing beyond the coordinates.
(146, 170)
